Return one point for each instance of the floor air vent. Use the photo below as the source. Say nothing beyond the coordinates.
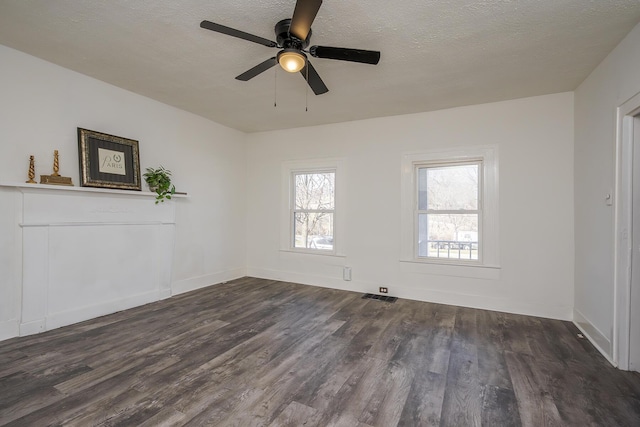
(380, 297)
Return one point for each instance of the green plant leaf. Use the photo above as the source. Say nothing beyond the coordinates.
(160, 179)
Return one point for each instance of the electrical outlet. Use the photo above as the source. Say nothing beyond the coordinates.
(346, 273)
(384, 290)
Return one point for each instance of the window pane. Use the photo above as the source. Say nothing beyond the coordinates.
(313, 230)
(448, 187)
(315, 191)
(448, 236)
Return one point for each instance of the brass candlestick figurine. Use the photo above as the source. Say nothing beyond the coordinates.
(56, 163)
(32, 170)
(55, 179)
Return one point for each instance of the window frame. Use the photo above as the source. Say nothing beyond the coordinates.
(289, 168)
(478, 211)
(293, 210)
(488, 232)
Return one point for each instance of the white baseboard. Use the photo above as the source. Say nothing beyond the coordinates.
(428, 295)
(9, 329)
(34, 327)
(492, 303)
(13, 328)
(57, 320)
(593, 334)
(187, 285)
(309, 279)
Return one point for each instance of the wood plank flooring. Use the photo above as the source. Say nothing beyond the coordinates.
(255, 352)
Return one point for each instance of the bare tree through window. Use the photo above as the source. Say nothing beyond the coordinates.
(314, 209)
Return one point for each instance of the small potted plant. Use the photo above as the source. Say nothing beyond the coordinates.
(159, 180)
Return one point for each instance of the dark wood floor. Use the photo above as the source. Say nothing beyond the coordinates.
(257, 352)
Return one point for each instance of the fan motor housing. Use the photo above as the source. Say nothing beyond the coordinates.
(287, 40)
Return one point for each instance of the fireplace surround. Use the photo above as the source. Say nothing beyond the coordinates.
(89, 252)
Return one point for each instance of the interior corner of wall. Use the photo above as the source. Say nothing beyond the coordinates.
(599, 340)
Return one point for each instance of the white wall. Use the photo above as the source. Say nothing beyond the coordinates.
(233, 181)
(40, 108)
(535, 141)
(613, 82)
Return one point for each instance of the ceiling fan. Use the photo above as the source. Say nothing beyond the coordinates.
(292, 38)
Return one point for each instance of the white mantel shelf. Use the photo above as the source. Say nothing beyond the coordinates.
(24, 187)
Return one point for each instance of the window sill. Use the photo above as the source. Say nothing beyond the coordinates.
(298, 255)
(301, 252)
(474, 271)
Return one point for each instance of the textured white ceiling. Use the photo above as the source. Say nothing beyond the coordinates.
(435, 53)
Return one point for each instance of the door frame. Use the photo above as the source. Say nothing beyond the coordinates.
(626, 114)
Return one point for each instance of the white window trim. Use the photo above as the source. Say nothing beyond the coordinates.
(479, 211)
(489, 182)
(293, 210)
(286, 226)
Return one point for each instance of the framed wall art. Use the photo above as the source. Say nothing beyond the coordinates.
(108, 161)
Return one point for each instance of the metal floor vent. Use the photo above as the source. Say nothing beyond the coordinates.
(384, 298)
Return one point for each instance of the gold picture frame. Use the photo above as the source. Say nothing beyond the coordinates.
(108, 161)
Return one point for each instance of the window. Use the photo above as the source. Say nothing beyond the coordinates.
(448, 210)
(313, 209)
(312, 219)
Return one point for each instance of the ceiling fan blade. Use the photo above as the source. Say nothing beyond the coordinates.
(344, 54)
(315, 82)
(236, 33)
(260, 68)
(303, 16)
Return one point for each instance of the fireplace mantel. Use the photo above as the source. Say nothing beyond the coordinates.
(88, 252)
(26, 188)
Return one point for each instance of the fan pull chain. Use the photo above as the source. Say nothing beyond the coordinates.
(306, 92)
(275, 88)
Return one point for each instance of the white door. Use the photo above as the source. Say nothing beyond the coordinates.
(634, 326)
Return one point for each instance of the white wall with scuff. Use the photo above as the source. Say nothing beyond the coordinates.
(612, 83)
(534, 137)
(40, 108)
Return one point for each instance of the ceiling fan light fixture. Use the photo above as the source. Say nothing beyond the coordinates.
(293, 36)
(292, 60)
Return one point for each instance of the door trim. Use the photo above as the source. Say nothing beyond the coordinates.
(623, 229)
